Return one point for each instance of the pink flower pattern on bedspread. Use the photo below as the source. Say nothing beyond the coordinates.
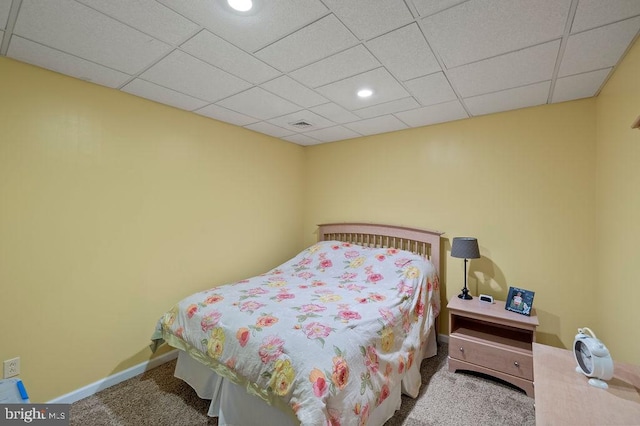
(330, 332)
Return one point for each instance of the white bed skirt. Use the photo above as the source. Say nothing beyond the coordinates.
(235, 407)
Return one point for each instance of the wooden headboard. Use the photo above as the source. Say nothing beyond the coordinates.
(420, 241)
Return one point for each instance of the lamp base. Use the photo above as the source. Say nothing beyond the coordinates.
(465, 294)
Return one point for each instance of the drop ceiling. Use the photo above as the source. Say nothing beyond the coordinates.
(291, 68)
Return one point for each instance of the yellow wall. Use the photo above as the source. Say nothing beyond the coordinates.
(550, 192)
(112, 208)
(522, 182)
(618, 211)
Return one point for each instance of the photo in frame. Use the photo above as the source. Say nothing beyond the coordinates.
(520, 300)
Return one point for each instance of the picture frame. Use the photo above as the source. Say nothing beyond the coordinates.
(520, 301)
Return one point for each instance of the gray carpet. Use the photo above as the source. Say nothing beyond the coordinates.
(157, 398)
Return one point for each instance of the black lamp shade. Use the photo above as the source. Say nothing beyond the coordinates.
(465, 248)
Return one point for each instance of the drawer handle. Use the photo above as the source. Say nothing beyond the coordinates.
(461, 349)
(516, 363)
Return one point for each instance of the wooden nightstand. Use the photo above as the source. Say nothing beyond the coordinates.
(486, 338)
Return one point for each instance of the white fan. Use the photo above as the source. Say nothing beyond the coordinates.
(593, 358)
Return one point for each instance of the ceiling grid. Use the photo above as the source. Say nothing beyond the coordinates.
(291, 61)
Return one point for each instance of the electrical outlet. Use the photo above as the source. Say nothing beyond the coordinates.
(11, 367)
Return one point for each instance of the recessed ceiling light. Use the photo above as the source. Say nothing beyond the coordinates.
(241, 5)
(365, 93)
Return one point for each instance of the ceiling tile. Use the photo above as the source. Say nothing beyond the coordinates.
(388, 108)
(481, 29)
(222, 54)
(291, 90)
(309, 44)
(372, 126)
(81, 31)
(335, 113)
(316, 120)
(219, 113)
(301, 139)
(448, 111)
(336, 67)
(45, 57)
(163, 95)
(269, 21)
(405, 53)
(429, 7)
(370, 18)
(149, 17)
(523, 67)
(332, 134)
(431, 89)
(385, 88)
(594, 13)
(520, 97)
(269, 129)
(184, 73)
(5, 7)
(598, 48)
(579, 86)
(257, 102)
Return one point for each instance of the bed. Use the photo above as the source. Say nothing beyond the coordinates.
(332, 336)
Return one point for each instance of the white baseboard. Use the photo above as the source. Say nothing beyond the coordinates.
(114, 379)
(444, 338)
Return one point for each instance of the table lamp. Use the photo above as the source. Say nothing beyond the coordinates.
(465, 248)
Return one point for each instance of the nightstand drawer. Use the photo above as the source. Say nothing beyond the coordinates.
(504, 360)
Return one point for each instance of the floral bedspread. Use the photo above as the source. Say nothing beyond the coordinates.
(328, 333)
